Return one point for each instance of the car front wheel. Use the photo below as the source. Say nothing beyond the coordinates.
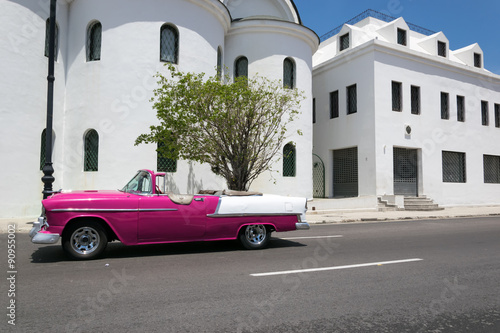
(254, 237)
(84, 240)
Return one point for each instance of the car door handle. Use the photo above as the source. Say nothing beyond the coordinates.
(199, 199)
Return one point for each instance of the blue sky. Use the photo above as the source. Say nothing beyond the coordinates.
(463, 22)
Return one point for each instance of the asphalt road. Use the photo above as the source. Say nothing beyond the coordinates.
(412, 276)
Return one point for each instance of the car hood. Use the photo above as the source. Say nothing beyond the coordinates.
(88, 199)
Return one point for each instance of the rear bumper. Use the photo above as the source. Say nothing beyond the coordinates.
(302, 226)
(41, 237)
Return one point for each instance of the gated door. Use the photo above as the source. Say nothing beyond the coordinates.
(405, 172)
(345, 173)
(318, 177)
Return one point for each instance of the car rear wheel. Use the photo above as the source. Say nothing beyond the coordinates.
(254, 237)
(84, 240)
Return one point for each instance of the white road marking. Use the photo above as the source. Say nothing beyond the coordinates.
(313, 237)
(336, 267)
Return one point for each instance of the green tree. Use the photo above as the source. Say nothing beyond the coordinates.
(237, 127)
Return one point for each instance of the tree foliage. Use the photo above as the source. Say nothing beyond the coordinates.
(238, 127)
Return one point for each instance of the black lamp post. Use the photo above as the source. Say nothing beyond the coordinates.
(48, 170)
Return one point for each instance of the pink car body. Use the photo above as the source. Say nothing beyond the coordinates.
(141, 214)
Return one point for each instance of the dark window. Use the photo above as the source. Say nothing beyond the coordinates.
(241, 67)
(415, 100)
(314, 110)
(94, 34)
(477, 60)
(441, 49)
(164, 164)
(169, 44)
(56, 40)
(91, 150)
(445, 105)
(397, 104)
(497, 115)
(491, 166)
(334, 104)
(289, 160)
(401, 37)
(454, 167)
(484, 113)
(461, 108)
(352, 99)
(345, 173)
(344, 42)
(219, 62)
(288, 73)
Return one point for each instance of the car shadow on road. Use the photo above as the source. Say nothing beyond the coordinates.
(51, 254)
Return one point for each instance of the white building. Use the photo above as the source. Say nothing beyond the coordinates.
(397, 113)
(107, 54)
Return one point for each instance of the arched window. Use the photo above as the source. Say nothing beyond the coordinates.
(169, 44)
(47, 37)
(164, 164)
(91, 151)
(219, 62)
(241, 67)
(289, 73)
(289, 160)
(94, 33)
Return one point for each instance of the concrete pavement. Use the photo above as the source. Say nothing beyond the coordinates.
(335, 216)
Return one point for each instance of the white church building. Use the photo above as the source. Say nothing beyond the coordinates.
(390, 110)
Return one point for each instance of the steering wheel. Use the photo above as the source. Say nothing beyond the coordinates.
(158, 190)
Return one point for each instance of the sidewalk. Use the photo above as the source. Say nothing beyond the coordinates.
(335, 216)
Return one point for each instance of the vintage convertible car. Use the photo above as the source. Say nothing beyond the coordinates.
(142, 213)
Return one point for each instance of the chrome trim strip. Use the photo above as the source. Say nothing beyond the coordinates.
(159, 210)
(113, 210)
(251, 214)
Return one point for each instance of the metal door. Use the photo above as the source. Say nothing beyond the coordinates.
(405, 172)
(318, 177)
(345, 173)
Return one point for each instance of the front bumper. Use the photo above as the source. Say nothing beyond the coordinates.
(38, 236)
(302, 226)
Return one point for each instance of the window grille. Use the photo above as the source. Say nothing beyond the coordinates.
(334, 104)
(461, 108)
(165, 164)
(401, 37)
(169, 44)
(219, 62)
(314, 111)
(47, 37)
(454, 167)
(497, 115)
(484, 113)
(289, 160)
(352, 99)
(491, 169)
(94, 36)
(345, 172)
(241, 67)
(445, 105)
(91, 149)
(477, 60)
(396, 96)
(441, 49)
(344, 42)
(288, 73)
(415, 100)
(43, 148)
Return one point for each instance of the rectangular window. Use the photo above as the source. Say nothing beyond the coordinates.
(445, 105)
(497, 115)
(461, 108)
(415, 100)
(491, 165)
(344, 42)
(352, 99)
(441, 49)
(396, 96)
(314, 110)
(401, 37)
(334, 104)
(454, 167)
(484, 113)
(477, 60)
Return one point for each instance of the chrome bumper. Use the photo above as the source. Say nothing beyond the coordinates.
(38, 237)
(302, 226)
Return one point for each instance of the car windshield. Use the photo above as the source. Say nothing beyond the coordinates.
(140, 184)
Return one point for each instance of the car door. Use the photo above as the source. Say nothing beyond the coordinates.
(161, 220)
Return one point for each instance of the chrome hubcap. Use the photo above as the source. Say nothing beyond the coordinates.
(255, 234)
(85, 240)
